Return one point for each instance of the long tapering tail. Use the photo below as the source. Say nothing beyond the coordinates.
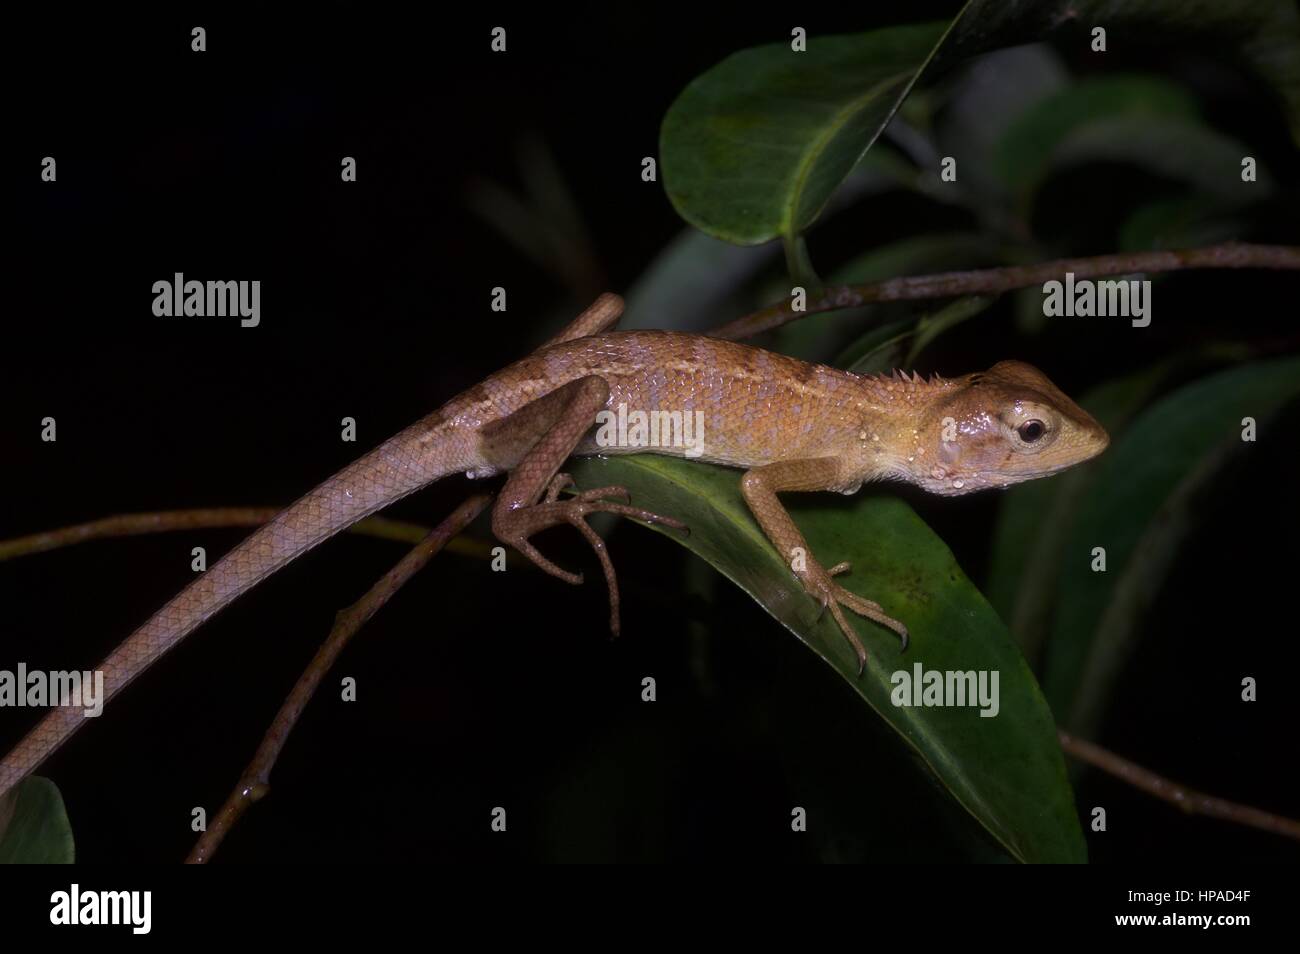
(416, 457)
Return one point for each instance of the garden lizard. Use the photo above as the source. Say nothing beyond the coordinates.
(791, 425)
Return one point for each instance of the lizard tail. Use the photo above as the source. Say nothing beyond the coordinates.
(416, 457)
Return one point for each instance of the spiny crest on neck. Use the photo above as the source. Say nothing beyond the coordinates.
(901, 382)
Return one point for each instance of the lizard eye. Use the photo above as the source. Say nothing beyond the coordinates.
(1030, 431)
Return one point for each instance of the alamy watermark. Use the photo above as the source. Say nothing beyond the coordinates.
(947, 687)
(133, 909)
(624, 428)
(37, 688)
(1110, 298)
(194, 299)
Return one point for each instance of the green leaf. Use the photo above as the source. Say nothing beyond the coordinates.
(1007, 771)
(34, 827)
(753, 148)
(1134, 480)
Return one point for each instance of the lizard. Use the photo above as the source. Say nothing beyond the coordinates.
(792, 426)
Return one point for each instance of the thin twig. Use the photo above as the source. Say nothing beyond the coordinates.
(256, 778)
(135, 524)
(995, 280)
(1188, 799)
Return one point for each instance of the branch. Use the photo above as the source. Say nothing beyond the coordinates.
(253, 784)
(996, 280)
(135, 524)
(1188, 799)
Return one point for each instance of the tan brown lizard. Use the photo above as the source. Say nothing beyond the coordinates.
(793, 426)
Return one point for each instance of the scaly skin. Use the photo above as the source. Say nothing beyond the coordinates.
(791, 425)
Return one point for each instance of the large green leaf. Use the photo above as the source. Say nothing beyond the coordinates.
(1134, 481)
(753, 148)
(34, 827)
(1006, 771)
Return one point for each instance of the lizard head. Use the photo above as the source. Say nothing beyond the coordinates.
(1000, 427)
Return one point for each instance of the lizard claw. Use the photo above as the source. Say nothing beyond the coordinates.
(527, 549)
(820, 585)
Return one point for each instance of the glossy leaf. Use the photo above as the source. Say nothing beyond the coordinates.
(752, 149)
(1006, 771)
(34, 827)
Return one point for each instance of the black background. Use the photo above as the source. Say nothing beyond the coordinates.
(481, 689)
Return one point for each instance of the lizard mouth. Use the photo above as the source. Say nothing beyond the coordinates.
(1003, 479)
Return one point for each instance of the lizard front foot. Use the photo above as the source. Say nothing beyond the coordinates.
(517, 526)
(821, 586)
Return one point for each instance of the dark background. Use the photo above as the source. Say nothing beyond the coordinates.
(480, 689)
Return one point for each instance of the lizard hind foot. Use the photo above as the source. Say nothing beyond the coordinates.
(526, 521)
